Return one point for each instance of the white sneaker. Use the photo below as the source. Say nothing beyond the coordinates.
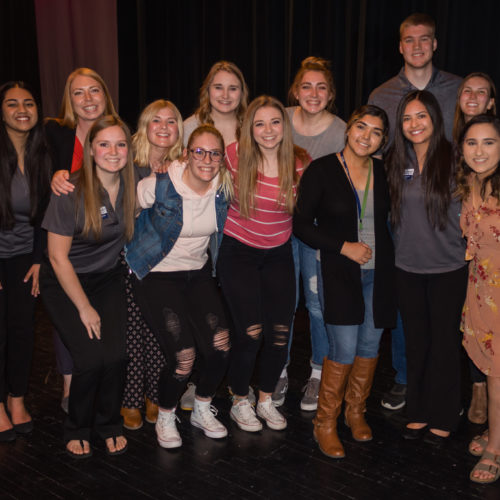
(166, 430)
(187, 399)
(203, 417)
(244, 415)
(267, 411)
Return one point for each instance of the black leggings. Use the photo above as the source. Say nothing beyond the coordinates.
(17, 317)
(185, 312)
(99, 365)
(431, 307)
(259, 288)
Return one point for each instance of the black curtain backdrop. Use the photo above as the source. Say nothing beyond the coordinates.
(166, 47)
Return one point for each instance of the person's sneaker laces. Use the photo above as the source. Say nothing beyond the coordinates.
(243, 414)
(203, 417)
(309, 401)
(187, 399)
(166, 430)
(267, 411)
(395, 399)
(279, 393)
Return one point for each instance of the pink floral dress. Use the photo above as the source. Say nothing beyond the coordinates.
(480, 316)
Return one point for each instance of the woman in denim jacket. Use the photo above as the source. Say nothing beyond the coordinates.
(184, 212)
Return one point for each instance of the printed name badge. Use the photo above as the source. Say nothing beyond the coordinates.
(409, 173)
(104, 213)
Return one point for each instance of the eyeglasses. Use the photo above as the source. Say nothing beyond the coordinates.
(200, 154)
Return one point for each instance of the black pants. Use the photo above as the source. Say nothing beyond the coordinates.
(99, 365)
(185, 312)
(259, 288)
(431, 307)
(17, 317)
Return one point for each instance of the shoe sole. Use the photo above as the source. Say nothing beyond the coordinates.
(211, 434)
(308, 406)
(388, 406)
(134, 428)
(170, 444)
(186, 407)
(150, 420)
(245, 427)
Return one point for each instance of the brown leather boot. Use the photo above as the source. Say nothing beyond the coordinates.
(331, 392)
(151, 411)
(132, 418)
(478, 411)
(357, 391)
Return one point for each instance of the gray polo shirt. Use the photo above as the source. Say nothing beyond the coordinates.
(443, 85)
(19, 239)
(330, 141)
(88, 255)
(421, 248)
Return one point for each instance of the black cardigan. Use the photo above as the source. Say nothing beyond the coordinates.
(61, 142)
(325, 195)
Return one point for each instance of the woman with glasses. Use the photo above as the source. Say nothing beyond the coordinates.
(184, 211)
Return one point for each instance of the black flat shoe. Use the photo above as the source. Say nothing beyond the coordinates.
(7, 436)
(412, 434)
(435, 440)
(25, 428)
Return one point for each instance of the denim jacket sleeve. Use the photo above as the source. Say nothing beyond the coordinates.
(156, 229)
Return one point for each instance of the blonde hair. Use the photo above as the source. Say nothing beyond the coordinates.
(204, 109)
(140, 142)
(418, 19)
(90, 186)
(67, 116)
(459, 119)
(225, 180)
(250, 158)
(313, 64)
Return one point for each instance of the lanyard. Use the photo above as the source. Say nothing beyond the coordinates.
(361, 208)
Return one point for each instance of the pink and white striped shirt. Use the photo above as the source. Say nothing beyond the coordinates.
(269, 225)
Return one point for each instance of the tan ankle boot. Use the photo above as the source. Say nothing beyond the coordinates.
(132, 418)
(331, 392)
(151, 411)
(357, 391)
(478, 411)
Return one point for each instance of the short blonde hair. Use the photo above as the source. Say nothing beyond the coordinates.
(67, 116)
(140, 142)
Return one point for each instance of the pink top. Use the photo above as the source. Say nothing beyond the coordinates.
(270, 225)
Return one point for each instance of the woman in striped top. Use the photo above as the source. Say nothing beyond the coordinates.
(255, 261)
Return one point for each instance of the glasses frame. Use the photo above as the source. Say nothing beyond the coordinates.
(200, 154)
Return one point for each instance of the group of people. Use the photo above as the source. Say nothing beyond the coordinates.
(171, 258)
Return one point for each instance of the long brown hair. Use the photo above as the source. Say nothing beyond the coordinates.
(90, 186)
(250, 158)
(459, 120)
(204, 109)
(67, 116)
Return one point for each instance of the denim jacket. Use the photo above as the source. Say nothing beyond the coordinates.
(158, 227)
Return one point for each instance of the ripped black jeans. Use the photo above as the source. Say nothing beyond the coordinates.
(259, 288)
(184, 310)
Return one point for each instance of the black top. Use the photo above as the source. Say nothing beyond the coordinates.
(326, 196)
(88, 254)
(61, 142)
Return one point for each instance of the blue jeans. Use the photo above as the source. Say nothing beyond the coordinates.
(399, 351)
(349, 341)
(304, 258)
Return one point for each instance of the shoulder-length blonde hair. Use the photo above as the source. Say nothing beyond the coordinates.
(67, 116)
(204, 109)
(90, 186)
(314, 64)
(225, 180)
(250, 158)
(140, 142)
(459, 119)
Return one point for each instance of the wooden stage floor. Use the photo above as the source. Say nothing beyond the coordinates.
(269, 464)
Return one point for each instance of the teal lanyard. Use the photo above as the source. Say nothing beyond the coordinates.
(361, 208)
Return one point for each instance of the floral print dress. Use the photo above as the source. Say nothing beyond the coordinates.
(481, 316)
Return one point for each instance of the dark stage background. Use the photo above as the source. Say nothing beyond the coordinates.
(165, 48)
